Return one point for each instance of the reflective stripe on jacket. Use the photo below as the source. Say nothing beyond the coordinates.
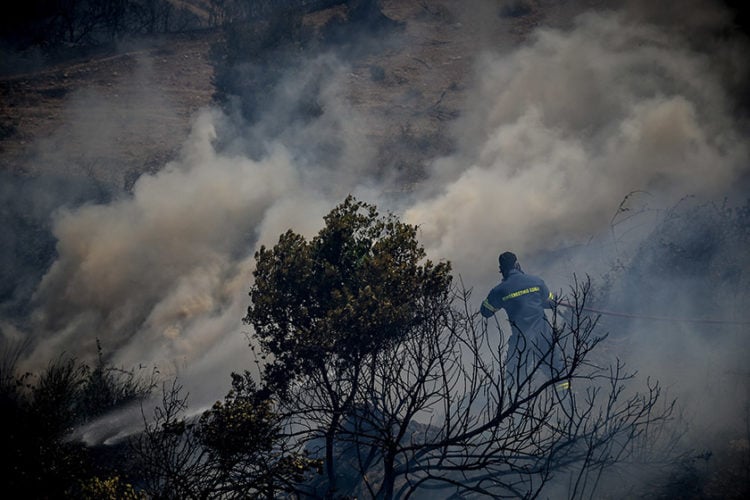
(524, 298)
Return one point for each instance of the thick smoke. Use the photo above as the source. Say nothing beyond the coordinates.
(162, 276)
(553, 135)
(558, 132)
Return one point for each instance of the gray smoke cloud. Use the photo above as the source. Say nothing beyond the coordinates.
(559, 131)
(162, 275)
(553, 134)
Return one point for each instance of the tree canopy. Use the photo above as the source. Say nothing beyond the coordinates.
(361, 283)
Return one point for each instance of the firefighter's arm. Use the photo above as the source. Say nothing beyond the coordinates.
(488, 306)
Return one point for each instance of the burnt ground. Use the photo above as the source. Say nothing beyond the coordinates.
(114, 115)
(111, 116)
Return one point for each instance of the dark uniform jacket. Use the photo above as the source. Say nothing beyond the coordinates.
(524, 298)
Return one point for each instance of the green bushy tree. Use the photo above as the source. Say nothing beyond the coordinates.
(321, 308)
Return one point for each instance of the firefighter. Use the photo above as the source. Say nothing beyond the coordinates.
(524, 298)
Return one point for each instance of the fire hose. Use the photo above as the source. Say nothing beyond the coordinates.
(656, 318)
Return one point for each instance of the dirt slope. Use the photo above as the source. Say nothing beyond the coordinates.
(115, 116)
(111, 115)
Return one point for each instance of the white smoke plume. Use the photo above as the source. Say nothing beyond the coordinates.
(558, 132)
(161, 277)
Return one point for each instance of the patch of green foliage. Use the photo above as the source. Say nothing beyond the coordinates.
(360, 284)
